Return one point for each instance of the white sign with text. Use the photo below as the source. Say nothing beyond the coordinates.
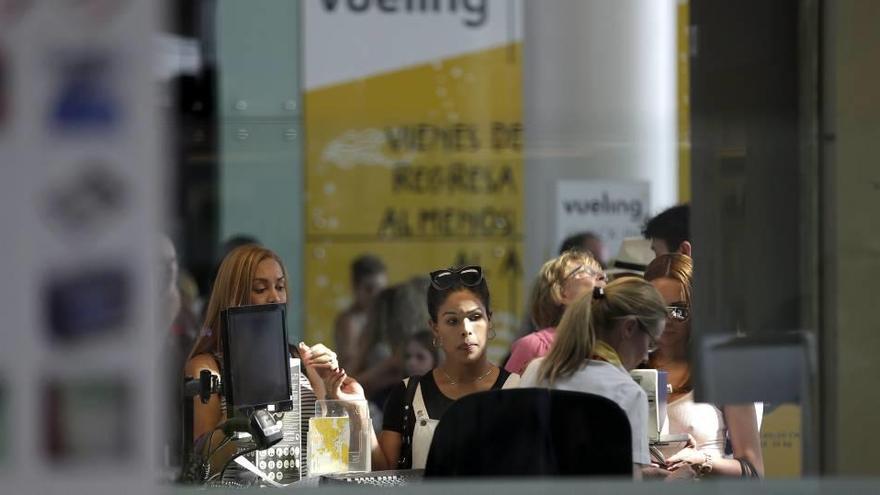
(611, 209)
(345, 40)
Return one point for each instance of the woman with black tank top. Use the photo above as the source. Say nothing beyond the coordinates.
(461, 321)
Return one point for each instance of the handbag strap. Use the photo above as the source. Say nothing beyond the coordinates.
(405, 460)
(748, 469)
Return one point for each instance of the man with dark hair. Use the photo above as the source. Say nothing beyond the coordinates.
(364, 267)
(585, 241)
(368, 277)
(669, 232)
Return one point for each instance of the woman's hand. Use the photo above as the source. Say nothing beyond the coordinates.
(690, 455)
(687, 455)
(319, 358)
(343, 387)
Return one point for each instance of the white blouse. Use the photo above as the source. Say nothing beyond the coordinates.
(703, 421)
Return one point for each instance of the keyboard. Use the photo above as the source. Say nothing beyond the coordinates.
(395, 477)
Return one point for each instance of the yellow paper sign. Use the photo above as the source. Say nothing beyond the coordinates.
(421, 166)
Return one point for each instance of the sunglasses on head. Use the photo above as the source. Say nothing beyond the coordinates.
(584, 270)
(469, 276)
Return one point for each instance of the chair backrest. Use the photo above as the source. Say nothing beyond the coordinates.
(531, 432)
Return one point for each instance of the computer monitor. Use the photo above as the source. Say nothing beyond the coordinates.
(654, 382)
(256, 365)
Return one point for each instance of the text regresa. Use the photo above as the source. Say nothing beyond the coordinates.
(455, 167)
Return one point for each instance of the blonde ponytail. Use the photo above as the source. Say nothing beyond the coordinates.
(575, 339)
(589, 319)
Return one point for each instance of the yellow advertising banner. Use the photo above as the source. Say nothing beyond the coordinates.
(683, 53)
(421, 166)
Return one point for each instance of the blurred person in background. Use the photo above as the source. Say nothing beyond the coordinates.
(708, 426)
(421, 354)
(632, 258)
(585, 241)
(179, 294)
(368, 278)
(561, 281)
(190, 300)
(419, 357)
(670, 231)
(177, 340)
(169, 292)
(397, 313)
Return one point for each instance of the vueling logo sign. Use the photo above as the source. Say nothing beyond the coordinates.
(473, 12)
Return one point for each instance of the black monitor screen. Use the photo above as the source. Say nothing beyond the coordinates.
(256, 356)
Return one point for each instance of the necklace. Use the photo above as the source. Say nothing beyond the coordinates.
(475, 380)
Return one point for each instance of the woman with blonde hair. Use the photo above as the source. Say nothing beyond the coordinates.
(601, 337)
(709, 426)
(561, 281)
(249, 274)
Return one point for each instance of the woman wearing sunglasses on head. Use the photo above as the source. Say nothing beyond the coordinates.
(561, 281)
(601, 337)
(708, 426)
(460, 320)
